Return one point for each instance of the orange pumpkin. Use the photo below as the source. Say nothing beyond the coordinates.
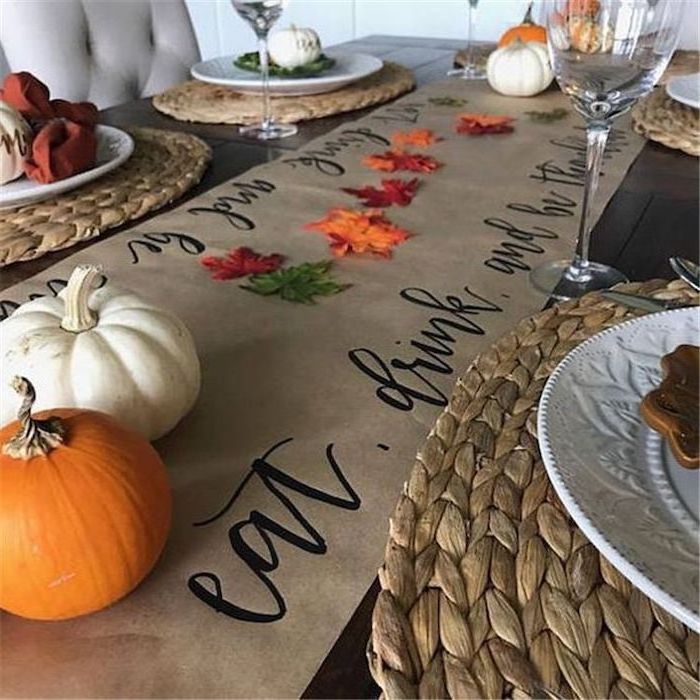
(526, 31)
(583, 8)
(85, 510)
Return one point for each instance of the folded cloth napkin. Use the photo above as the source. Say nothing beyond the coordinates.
(64, 142)
(61, 148)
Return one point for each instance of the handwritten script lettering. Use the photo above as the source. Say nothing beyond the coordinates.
(408, 113)
(322, 159)
(226, 205)
(207, 585)
(155, 242)
(401, 382)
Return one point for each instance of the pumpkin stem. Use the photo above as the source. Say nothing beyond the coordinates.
(34, 437)
(78, 315)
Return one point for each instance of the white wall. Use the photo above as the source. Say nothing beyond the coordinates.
(220, 31)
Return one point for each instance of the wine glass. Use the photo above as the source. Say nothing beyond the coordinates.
(261, 15)
(606, 54)
(470, 71)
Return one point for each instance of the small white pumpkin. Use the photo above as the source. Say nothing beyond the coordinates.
(294, 47)
(520, 69)
(15, 141)
(103, 349)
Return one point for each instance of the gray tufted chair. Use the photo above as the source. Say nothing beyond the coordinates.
(106, 51)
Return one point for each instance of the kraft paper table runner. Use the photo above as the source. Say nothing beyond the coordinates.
(331, 400)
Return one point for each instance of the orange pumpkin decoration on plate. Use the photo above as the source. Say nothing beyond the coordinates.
(85, 510)
(583, 8)
(526, 31)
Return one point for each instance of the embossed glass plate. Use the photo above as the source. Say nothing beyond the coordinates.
(348, 68)
(114, 146)
(616, 477)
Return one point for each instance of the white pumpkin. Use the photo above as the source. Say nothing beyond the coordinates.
(520, 69)
(294, 47)
(104, 349)
(15, 141)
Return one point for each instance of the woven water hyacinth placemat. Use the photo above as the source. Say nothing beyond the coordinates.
(488, 587)
(195, 101)
(164, 165)
(663, 119)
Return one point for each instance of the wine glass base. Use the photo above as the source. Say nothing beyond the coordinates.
(468, 73)
(561, 281)
(268, 132)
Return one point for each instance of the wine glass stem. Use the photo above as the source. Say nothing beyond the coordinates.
(596, 137)
(470, 30)
(265, 75)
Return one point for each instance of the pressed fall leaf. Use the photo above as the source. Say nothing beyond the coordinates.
(414, 137)
(447, 101)
(240, 262)
(301, 283)
(477, 124)
(394, 160)
(553, 115)
(353, 231)
(400, 192)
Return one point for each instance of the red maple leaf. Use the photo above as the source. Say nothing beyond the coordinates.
(240, 262)
(477, 124)
(400, 192)
(394, 160)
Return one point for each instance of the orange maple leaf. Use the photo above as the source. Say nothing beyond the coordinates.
(394, 160)
(354, 231)
(414, 137)
(476, 124)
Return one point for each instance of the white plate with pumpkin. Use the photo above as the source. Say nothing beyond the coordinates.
(114, 147)
(347, 68)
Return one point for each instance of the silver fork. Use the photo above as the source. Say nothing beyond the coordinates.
(688, 271)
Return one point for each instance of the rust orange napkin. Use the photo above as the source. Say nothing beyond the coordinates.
(64, 143)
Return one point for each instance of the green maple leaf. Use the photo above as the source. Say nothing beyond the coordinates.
(548, 117)
(447, 101)
(301, 284)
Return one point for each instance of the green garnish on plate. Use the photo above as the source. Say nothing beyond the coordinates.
(251, 62)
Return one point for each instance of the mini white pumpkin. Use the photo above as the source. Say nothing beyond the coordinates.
(520, 69)
(15, 141)
(294, 47)
(103, 349)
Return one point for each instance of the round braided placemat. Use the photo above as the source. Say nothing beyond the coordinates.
(195, 101)
(662, 119)
(488, 587)
(164, 165)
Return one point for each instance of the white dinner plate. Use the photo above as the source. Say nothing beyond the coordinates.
(616, 477)
(114, 146)
(685, 89)
(348, 68)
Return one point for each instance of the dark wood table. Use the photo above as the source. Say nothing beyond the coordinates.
(653, 214)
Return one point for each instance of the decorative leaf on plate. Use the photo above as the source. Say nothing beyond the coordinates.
(414, 137)
(553, 115)
(352, 231)
(300, 284)
(394, 160)
(240, 262)
(251, 62)
(399, 192)
(447, 101)
(477, 124)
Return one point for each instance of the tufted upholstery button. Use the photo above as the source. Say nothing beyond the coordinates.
(107, 51)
